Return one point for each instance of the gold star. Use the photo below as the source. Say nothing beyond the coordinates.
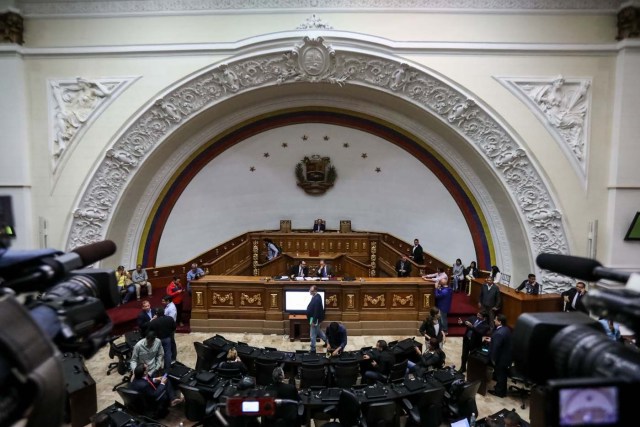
(285, 145)
(252, 169)
(378, 170)
(266, 154)
(363, 155)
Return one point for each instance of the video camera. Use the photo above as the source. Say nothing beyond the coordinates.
(47, 297)
(587, 379)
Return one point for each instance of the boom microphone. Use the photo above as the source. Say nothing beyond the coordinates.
(35, 272)
(580, 268)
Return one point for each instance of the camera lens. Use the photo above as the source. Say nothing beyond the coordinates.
(97, 283)
(582, 351)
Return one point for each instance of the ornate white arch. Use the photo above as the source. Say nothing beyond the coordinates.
(315, 61)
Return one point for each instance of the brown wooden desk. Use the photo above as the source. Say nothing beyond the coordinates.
(299, 327)
(515, 303)
(367, 306)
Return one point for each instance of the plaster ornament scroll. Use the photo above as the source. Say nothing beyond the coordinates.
(73, 105)
(541, 218)
(314, 22)
(563, 106)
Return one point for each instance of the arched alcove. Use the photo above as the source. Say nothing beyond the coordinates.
(167, 135)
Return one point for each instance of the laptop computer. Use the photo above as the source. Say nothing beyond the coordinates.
(330, 394)
(414, 385)
(375, 392)
(462, 423)
(310, 357)
(274, 355)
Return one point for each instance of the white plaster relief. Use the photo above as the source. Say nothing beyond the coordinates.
(314, 22)
(119, 7)
(73, 105)
(541, 218)
(563, 106)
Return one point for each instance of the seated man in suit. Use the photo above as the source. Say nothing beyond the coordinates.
(381, 362)
(324, 270)
(530, 285)
(573, 298)
(403, 267)
(318, 226)
(300, 270)
(158, 388)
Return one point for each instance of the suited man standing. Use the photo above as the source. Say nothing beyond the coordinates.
(324, 270)
(500, 354)
(490, 299)
(144, 317)
(477, 327)
(417, 254)
(300, 270)
(403, 267)
(573, 298)
(315, 314)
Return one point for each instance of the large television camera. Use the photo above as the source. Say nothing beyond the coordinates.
(586, 378)
(49, 303)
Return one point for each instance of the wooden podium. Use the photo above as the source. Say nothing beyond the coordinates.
(298, 327)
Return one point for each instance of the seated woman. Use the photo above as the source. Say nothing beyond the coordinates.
(125, 285)
(432, 358)
(234, 362)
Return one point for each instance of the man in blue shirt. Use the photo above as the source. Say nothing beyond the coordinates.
(194, 274)
(337, 338)
(444, 295)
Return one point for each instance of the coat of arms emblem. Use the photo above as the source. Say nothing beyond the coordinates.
(315, 174)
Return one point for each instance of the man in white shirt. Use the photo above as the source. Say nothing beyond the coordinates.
(169, 307)
(140, 279)
(437, 277)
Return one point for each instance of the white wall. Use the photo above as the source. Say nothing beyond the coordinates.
(225, 199)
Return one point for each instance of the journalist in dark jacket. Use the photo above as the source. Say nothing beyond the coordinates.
(500, 354)
(337, 338)
(477, 327)
(164, 327)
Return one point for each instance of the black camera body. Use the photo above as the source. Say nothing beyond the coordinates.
(583, 377)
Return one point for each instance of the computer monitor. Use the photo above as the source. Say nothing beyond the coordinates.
(296, 301)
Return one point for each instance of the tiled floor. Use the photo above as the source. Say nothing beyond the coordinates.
(186, 354)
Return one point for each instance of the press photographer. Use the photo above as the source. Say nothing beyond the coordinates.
(48, 306)
(586, 378)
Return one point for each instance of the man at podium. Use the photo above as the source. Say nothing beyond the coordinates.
(300, 270)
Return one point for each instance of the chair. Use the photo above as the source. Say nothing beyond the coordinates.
(398, 372)
(382, 414)
(229, 373)
(142, 404)
(523, 391)
(207, 357)
(123, 353)
(312, 375)
(426, 411)
(264, 370)
(345, 374)
(196, 406)
(347, 411)
(463, 404)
